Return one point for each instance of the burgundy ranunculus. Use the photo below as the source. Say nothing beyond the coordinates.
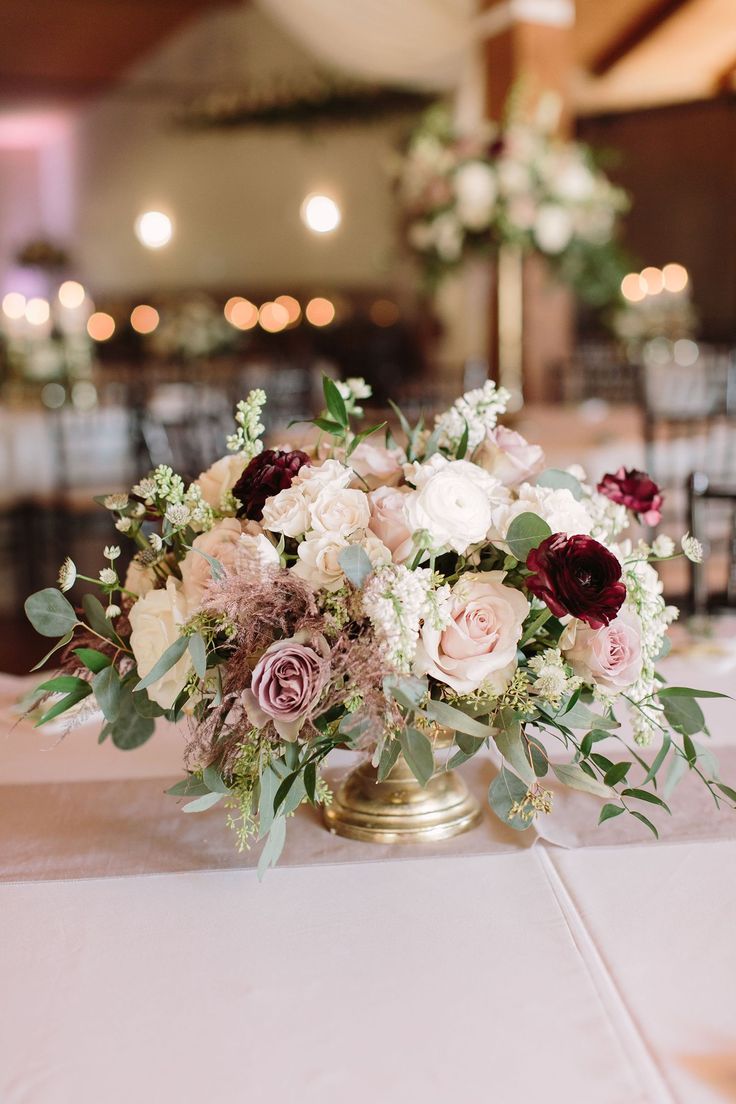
(636, 491)
(267, 474)
(577, 575)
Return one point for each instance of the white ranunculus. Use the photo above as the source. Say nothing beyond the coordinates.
(453, 502)
(475, 191)
(557, 506)
(220, 478)
(553, 228)
(478, 646)
(340, 510)
(318, 562)
(156, 621)
(287, 512)
(314, 478)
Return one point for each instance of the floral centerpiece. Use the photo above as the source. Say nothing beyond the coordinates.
(516, 185)
(385, 596)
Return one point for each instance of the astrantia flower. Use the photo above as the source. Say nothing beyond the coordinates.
(112, 612)
(267, 474)
(155, 542)
(123, 524)
(178, 515)
(116, 501)
(663, 546)
(577, 575)
(635, 490)
(108, 576)
(111, 551)
(692, 548)
(67, 574)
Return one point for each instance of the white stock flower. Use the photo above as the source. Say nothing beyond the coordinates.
(156, 620)
(453, 502)
(340, 511)
(478, 409)
(318, 562)
(287, 512)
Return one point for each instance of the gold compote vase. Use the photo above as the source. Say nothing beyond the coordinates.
(399, 809)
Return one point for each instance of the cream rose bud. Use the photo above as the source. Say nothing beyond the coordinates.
(318, 562)
(610, 657)
(341, 511)
(287, 512)
(222, 542)
(156, 621)
(377, 465)
(478, 647)
(389, 521)
(220, 478)
(453, 502)
(312, 479)
(508, 456)
(557, 506)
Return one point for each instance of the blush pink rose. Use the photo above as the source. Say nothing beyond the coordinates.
(376, 465)
(609, 656)
(508, 456)
(389, 521)
(478, 647)
(287, 682)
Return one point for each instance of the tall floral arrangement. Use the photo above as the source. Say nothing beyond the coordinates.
(511, 184)
(370, 592)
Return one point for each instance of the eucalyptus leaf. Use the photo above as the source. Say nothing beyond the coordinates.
(269, 782)
(59, 644)
(216, 567)
(95, 613)
(581, 716)
(572, 775)
(560, 481)
(201, 804)
(191, 786)
(505, 791)
(171, 656)
(526, 532)
(645, 795)
(683, 714)
(130, 729)
(646, 821)
(198, 653)
(145, 706)
(418, 754)
(355, 563)
(107, 687)
(450, 717)
(310, 782)
(62, 684)
(214, 781)
(727, 791)
(273, 846)
(390, 753)
(659, 758)
(677, 770)
(469, 745)
(513, 746)
(407, 690)
(616, 773)
(50, 613)
(686, 692)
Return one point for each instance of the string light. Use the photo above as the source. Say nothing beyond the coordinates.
(273, 317)
(383, 312)
(144, 319)
(653, 280)
(675, 277)
(320, 312)
(291, 305)
(321, 214)
(71, 294)
(14, 305)
(100, 326)
(154, 229)
(633, 288)
(37, 311)
(243, 314)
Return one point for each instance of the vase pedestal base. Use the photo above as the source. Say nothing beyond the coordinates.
(399, 810)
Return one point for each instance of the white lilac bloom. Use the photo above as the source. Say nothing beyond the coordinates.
(479, 409)
(396, 601)
(692, 548)
(246, 439)
(67, 574)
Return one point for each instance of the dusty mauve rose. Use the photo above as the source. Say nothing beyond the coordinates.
(389, 521)
(509, 456)
(636, 491)
(287, 682)
(478, 647)
(609, 656)
(267, 474)
(377, 465)
(577, 575)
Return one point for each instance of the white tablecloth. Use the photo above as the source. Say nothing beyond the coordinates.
(593, 975)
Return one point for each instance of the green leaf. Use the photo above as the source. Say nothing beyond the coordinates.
(407, 690)
(560, 481)
(328, 426)
(526, 532)
(469, 745)
(390, 753)
(504, 791)
(273, 846)
(283, 791)
(683, 714)
(62, 684)
(59, 644)
(727, 791)
(334, 401)
(50, 613)
(269, 781)
(355, 563)
(609, 811)
(310, 782)
(690, 752)
(581, 716)
(686, 692)
(616, 773)
(130, 730)
(405, 427)
(534, 626)
(645, 820)
(214, 782)
(291, 755)
(92, 659)
(659, 758)
(171, 656)
(462, 447)
(95, 614)
(450, 717)
(198, 652)
(513, 746)
(201, 804)
(217, 570)
(572, 775)
(645, 795)
(191, 786)
(677, 770)
(145, 707)
(71, 699)
(418, 754)
(107, 688)
(360, 437)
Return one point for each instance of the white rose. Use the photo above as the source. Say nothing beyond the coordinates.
(475, 190)
(557, 506)
(478, 646)
(553, 228)
(341, 511)
(139, 579)
(220, 478)
(156, 620)
(287, 512)
(453, 502)
(318, 562)
(313, 478)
